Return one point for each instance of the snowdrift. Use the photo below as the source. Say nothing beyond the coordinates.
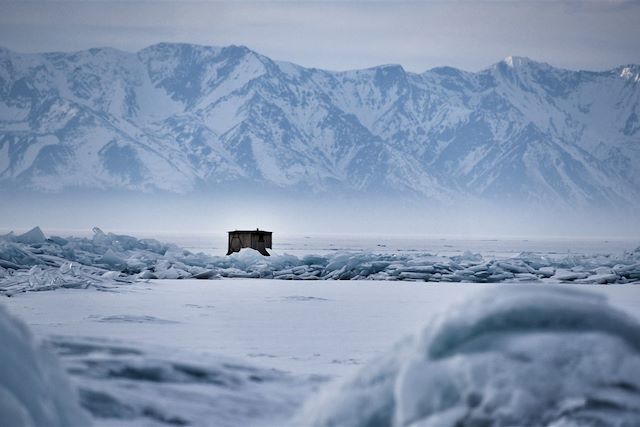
(32, 261)
(131, 384)
(528, 356)
(34, 390)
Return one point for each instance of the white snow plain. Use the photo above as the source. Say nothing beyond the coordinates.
(149, 353)
(250, 352)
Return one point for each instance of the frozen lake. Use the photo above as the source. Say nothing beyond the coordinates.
(251, 351)
(303, 244)
(297, 244)
(326, 328)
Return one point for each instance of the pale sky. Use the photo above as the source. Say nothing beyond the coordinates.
(342, 35)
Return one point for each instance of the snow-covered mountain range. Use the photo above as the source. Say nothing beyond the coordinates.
(186, 118)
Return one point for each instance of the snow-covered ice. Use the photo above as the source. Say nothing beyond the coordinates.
(34, 390)
(123, 384)
(245, 351)
(298, 334)
(529, 356)
(30, 261)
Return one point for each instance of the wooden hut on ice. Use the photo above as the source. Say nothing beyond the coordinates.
(256, 239)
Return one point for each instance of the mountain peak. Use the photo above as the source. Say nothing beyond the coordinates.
(630, 72)
(518, 61)
(394, 69)
(170, 48)
(239, 51)
(391, 67)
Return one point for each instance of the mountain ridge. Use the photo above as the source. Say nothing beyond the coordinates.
(178, 117)
(278, 61)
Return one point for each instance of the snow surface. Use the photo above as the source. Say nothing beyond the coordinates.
(513, 356)
(34, 390)
(297, 334)
(243, 351)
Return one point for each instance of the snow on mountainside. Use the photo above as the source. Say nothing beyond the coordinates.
(183, 118)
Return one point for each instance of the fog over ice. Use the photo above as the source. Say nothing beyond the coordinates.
(308, 214)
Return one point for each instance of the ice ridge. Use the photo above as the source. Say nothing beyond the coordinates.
(466, 368)
(33, 262)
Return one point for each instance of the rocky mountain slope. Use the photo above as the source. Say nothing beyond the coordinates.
(186, 118)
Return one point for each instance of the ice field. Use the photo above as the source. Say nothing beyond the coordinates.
(33, 261)
(249, 351)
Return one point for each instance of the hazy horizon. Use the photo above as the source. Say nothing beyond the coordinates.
(167, 213)
(343, 35)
